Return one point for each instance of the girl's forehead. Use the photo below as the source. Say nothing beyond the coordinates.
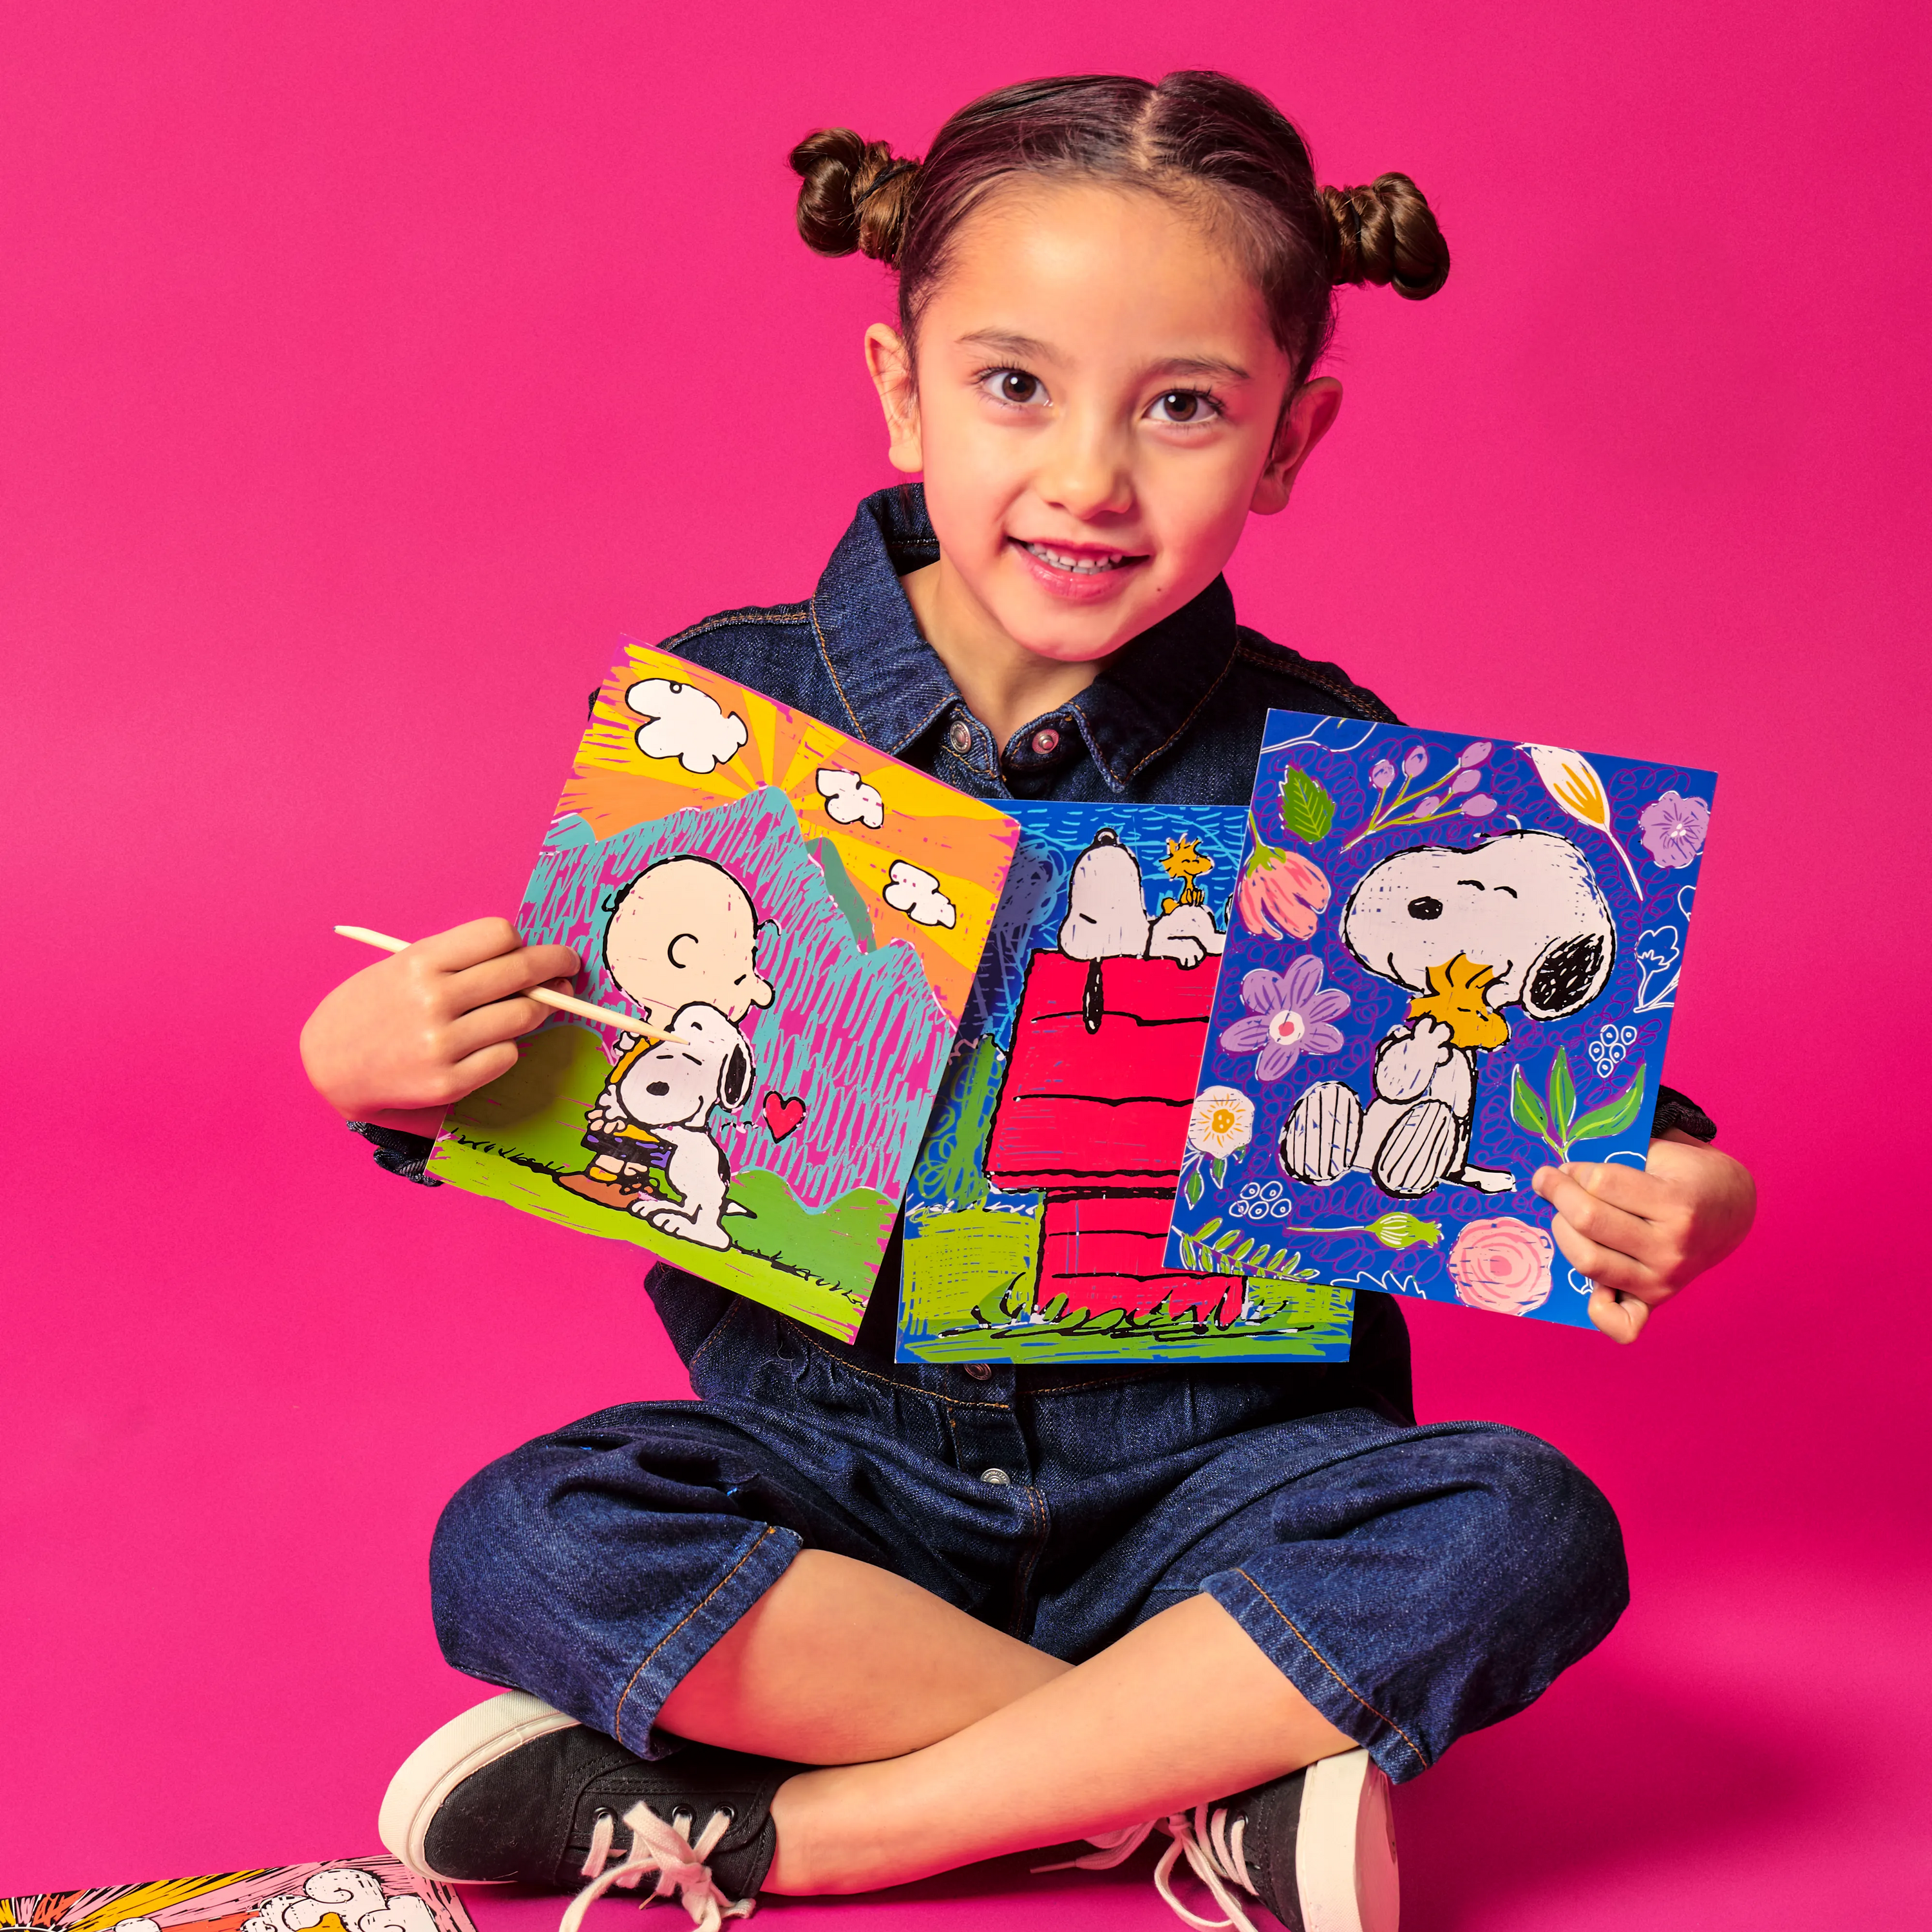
(1056, 261)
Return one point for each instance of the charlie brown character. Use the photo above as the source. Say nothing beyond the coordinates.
(683, 932)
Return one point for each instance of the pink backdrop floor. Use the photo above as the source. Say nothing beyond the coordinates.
(368, 367)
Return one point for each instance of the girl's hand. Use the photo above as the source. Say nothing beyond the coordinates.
(1641, 1234)
(431, 1024)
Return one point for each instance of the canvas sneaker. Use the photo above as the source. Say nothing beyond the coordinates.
(514, 1790)
(1317, 1848)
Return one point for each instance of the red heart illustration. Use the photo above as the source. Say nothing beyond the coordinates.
(782, 1116)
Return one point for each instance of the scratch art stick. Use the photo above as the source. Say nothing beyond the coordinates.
(562, 1002)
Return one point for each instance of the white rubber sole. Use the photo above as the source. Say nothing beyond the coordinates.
(463, 1747)
(1345, 1866)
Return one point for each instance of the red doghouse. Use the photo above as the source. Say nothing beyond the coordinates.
(1094, 1114)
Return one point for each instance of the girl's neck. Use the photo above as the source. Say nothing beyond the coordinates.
(1004, 684)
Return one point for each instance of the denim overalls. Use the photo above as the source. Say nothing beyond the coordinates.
(1413, 1582)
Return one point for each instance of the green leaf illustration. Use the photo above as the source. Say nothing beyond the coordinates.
(1191, 1191)
(1562, 1096)
(1306, 809)
(1219, 1169)
(1613, 1116)
(1241, 1253)
(1525, 1109)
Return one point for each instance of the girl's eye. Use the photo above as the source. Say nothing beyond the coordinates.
(1184, 405)
(1014, 385)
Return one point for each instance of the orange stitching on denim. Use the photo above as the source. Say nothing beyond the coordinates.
(739, 1305)
(1036, 1508)
(1137, 769)
(617, 1730)
(1332, 1671)
(901, 1388)
(1370, 707)
(1101, 1381)
(825, 652)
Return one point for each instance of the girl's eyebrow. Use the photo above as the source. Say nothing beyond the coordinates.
(1024, 348)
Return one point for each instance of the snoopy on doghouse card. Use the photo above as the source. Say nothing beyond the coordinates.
(1451, 959)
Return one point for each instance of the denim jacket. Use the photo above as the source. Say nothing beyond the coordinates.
(1177, 715)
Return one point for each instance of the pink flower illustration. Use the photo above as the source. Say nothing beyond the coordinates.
(1673, 829)
(1281, 894)
(1288, 1016)
(1502, 1265)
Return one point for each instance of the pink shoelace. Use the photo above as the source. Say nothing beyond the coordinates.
(1212, 1847)
(669, 1851)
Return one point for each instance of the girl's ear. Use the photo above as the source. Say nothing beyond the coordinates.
(1310, 416)
(889, 362)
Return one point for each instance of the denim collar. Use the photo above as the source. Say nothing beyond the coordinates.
(895, 688)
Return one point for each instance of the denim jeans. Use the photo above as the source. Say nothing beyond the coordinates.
(1412, 1583)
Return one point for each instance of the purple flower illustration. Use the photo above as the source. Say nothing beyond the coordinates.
(1288, 1016)
(1673, 829)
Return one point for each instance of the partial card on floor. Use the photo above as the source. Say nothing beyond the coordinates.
(357, 1894)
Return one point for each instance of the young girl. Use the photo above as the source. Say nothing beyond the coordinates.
(839, 1624)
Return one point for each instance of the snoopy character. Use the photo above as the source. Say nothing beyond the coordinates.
(668, 1090)
(1519, 921)
(683, 933)
(1107, 918)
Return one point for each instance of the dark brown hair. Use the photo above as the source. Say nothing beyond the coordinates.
(1196, 137)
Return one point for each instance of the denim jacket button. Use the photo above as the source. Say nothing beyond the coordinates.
(960, 737)
(980, 1372)
(995, 1476)
(1046, 742)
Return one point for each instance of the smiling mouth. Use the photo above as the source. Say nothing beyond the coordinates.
(1077, 562)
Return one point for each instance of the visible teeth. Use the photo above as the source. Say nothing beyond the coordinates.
(1085, 566)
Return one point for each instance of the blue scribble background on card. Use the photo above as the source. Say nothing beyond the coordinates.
(1451, 959)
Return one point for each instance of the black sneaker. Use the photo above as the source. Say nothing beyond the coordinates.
(514, 1790)
(1316, 1847)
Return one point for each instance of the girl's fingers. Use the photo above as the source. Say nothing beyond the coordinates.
(509, 974)
(1632, 1189)
(489, 1026)
(479, 1068)
(1599, 1220)
(467, 945)
(1622, 1317)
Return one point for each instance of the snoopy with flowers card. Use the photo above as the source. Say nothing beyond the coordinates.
(1453, 961)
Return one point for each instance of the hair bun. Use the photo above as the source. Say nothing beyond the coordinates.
(1386, 233)
(854, 195)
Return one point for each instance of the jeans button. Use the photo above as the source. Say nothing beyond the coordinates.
(960, 737)
(994, 1476)
(980, 1371)
(1046, 742)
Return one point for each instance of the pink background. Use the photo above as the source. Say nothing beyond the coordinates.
(367, 367)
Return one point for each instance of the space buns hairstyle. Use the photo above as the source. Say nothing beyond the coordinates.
(1197, 138)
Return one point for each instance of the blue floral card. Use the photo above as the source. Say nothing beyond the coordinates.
(1451, 960)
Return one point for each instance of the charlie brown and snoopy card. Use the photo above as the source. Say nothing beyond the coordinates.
(795, 919)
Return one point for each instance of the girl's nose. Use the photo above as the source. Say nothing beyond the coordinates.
(1084, 470)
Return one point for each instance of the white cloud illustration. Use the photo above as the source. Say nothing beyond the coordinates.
(848, 800)
(916, 894)
(684, 724)
(354, 1895)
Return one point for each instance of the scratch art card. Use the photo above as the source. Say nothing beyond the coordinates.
(1036, 1222)
(1454, 962)
(377, 1895)
(796, 918)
